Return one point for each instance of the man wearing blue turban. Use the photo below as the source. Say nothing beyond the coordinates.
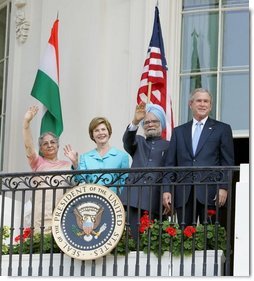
(159, 113)
(146, 151)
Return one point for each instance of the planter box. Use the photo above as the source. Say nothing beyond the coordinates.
(105, 265)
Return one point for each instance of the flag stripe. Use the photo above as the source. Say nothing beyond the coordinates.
(43, 84)
(48, 64)
(53, 41)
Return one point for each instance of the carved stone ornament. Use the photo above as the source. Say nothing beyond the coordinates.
(22, 25)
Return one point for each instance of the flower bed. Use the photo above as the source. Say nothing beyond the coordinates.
(155, 236)
(167, 236)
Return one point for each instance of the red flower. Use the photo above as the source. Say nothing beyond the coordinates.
(189, 230)
(26, 234)
(145, 222)
(171, 231)
(17, 238)
(211, 213)
(142, 228)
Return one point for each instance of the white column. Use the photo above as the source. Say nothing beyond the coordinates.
(242, 223)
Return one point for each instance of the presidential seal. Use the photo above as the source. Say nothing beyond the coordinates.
(88, 221)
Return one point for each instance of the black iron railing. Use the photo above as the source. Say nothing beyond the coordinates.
(25, 195)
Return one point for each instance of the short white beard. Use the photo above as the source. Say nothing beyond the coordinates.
(153, 133)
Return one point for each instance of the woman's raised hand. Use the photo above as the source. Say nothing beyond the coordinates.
(31, 112)
(71, 154)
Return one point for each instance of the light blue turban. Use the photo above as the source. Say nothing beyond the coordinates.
(158, 111)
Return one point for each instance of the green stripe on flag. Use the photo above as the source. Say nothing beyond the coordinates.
(47, 92)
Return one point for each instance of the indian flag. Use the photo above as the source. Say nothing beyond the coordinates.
(46, 86)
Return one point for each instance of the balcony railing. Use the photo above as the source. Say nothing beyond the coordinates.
(28, 200)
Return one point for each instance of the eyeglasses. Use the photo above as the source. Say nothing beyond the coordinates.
(47, 143)
(152, 122)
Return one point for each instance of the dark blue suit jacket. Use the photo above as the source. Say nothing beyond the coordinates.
(145, 152)
(215, 148)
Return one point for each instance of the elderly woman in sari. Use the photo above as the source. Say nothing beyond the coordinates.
(44, 160)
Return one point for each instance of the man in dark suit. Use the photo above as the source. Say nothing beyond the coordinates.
(148, 151)
(214, 148)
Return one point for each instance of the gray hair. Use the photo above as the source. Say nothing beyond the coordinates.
(202, 90)
(41, 137)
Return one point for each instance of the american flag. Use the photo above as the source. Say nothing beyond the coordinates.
(155, 71)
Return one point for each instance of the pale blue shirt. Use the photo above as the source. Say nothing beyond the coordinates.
(195, 122)
(113, 159)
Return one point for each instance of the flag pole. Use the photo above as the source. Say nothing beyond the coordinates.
(149, 92)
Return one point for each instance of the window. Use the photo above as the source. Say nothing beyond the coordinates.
(215, 55)
(4, 48)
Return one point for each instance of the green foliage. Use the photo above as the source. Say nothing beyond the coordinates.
(167, 237)
(32, 243)
(36, 245)
(123, 247)
(5, 234)
(164, 236)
